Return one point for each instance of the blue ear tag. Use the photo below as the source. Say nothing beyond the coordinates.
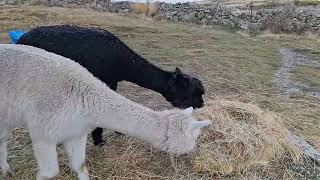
(15, 35)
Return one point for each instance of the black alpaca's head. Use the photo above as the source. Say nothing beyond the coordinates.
(184, 91)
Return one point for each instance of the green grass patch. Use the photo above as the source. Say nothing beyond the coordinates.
(308, 75)
(306, 2)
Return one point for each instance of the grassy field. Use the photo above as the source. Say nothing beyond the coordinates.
(230, 64)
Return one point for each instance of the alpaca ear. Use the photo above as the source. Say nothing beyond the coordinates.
(200, 124)
(188, 111)
(178, 71)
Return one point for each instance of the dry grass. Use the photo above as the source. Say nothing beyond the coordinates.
(242, 137)
(148, 9)
(39, 2)
(228, 64)
(306, 2)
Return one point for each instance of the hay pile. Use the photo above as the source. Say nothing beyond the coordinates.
(242, 136)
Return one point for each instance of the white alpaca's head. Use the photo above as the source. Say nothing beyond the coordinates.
(182, 131)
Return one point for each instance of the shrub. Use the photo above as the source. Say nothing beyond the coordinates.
(283, 20)
(148, 9)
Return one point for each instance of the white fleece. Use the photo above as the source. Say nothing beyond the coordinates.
(59, 101)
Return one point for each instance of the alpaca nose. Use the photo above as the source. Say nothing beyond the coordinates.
(199, 104)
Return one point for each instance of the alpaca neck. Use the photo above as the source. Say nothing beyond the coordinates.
(141, 72)
(115, 112)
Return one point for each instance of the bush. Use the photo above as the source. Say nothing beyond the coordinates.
(284, 20)
(148, 9)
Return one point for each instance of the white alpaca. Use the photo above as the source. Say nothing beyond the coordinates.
(59, 101)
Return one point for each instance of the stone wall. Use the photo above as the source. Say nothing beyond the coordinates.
(13, 2)
(286, 18)
(94, 4)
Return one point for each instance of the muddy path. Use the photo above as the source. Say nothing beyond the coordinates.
(290, 60)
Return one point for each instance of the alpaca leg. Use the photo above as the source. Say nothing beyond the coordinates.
(76, 150)
(6, 172)
(97, 137)
(46, 155)
(114, 86)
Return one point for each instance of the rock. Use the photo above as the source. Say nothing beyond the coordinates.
(188, 17)
(224, 21)
(126, 11)
(175, 18)
(244, 25)
(204, 21)
(209, 17)
(200, 15)
(236, 12)
(174, 13)
(160, 17)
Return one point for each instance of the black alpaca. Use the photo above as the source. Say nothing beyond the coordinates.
(109, 59)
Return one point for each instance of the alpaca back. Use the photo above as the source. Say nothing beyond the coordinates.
(36, 85)
(37, 64)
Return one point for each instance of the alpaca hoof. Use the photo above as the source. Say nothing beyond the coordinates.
(83, 177)
(84, 174)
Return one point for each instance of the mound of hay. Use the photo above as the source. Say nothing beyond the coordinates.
(242, 136)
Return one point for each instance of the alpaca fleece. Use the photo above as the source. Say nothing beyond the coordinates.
(59, 101)
(111, 60)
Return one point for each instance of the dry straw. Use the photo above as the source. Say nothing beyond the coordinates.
(242, 136)
(148, 9)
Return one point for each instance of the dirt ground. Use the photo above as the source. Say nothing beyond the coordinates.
(230, 64)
